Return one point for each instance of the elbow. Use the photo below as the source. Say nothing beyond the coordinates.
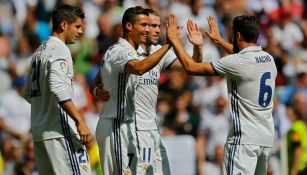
(189, 69)
(139, 72)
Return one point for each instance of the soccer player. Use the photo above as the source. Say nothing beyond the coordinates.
(115, 139)
(58, 129)
(250, 74)
(152, 153)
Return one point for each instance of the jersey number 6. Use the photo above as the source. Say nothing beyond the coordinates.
(265, 94)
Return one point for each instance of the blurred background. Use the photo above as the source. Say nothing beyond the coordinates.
(193, 111)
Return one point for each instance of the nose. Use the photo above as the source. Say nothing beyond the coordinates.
(158, 30)
(80, 31)
(147, 28)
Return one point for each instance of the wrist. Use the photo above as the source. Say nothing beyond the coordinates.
(198, 46)
(95, 91)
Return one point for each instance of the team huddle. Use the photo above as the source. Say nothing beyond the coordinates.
(127, 131)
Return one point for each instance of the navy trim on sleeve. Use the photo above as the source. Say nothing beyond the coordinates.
(215, 71)
(169, 66)
(64, 101)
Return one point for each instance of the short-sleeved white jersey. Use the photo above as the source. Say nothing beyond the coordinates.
(115, 80)
(251, 82)
(50, 82)
(146, 89)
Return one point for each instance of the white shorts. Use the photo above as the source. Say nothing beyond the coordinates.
(245, 159)
(117, 151)
(62, 156)
(152, 156)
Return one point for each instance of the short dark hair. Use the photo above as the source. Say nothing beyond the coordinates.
(153, 12)
(65, 13)
(248, 26)
(130, 15)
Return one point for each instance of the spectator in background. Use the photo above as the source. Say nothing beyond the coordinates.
(204, 97)
(26, 46)
(104, 38)
(290, 90)
(213, 132)
(214, 167)
(15, 111)
(287, 33)
(297, 137)
(181, 120)
(36, 26)
(5, 63)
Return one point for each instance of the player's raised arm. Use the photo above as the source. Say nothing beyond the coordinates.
(140, 67)
(215, 36)
(192, 68)
(196, 38)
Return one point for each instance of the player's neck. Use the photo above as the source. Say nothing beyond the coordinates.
(133, 43)
(244, 45)
(60, 36)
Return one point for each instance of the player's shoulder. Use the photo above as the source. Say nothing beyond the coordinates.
(121, 48)
(55, 49)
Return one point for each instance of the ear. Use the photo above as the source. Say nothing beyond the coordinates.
(63, 25)
(239, 36)
(129, 26)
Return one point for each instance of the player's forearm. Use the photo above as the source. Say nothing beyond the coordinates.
(183, 57)
(143, 66)
(225, 45)
(197, 53)
(72, 111)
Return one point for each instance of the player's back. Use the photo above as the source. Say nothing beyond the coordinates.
(51, 58)
(251, 82)
(251, 97)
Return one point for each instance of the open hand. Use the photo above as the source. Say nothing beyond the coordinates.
(214, 33)
(194, 34)
(172, 30)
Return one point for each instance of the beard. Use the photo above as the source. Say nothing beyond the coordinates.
(236, 48)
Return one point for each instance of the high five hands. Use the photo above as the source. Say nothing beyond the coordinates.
(172, 30)
(194, 34)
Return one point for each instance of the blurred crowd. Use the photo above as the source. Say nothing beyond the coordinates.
(192, 106)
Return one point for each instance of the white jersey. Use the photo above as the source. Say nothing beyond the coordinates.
(146, 89)
(50, 82)
(251, 82)
(115, 80)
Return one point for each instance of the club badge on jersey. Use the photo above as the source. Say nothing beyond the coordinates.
(131, 54)
(63, 67)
